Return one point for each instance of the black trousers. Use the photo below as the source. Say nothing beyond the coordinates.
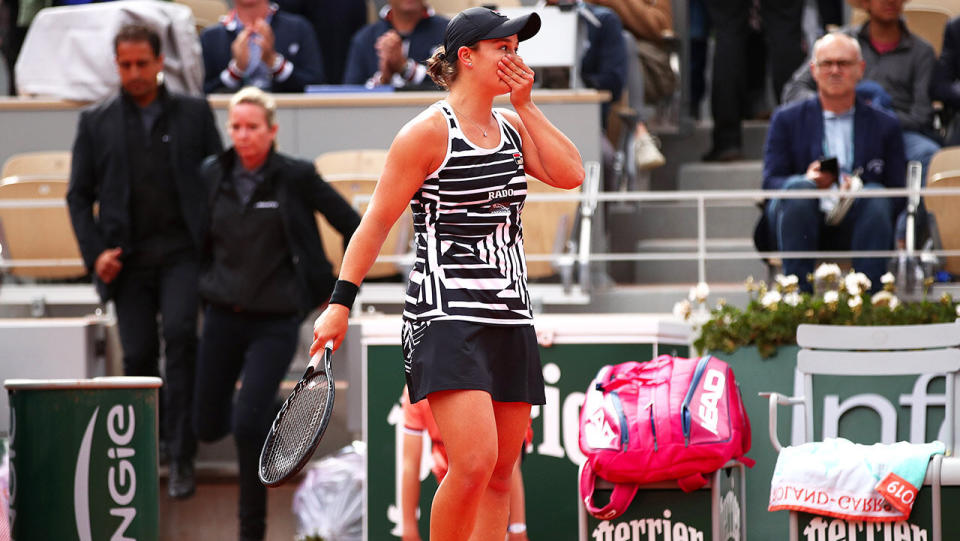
(257, 350)
(783, 37)
(170, 291)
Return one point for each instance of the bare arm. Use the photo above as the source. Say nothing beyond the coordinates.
(417, 150)
(541, 139)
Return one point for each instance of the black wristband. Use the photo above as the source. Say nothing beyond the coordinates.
(344, 293)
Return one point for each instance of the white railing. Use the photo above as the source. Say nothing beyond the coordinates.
(590, 198)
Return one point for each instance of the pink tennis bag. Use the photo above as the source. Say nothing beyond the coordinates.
(666, 419)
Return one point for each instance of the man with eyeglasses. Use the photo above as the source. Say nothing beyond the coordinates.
(900, 62)
(830, 142)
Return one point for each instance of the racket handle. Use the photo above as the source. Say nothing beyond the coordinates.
(318, 356)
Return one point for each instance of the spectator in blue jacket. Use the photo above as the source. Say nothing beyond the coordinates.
(866, 142)
(257, 45)
(604, 62)
(394, 50)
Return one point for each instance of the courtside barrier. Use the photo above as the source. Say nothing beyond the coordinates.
(83, 459)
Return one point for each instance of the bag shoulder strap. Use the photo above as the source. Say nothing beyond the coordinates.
(620, 498)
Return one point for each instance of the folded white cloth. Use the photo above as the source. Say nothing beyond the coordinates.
(843, 479)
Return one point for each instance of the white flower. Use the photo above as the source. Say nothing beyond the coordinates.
(787, 280)
(851, 284)
(855, 301)
(827, 270)
(888, 278)
(792, 298)
(831, 297)
(699, 293)
(682, 309)
(856, 283)
(787, 283)
(770, 299)
(885, 298)
(958, 310)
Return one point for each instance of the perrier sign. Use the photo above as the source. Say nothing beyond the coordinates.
(83, 459)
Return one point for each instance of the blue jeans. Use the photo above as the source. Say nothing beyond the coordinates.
(798, 225)
(919, 147)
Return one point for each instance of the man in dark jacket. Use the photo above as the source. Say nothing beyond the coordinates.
(137, 155)
(901, 62)
(862, 140)
(259, 46)
(393, 50)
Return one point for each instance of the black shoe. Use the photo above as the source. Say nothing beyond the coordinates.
(731, 154)
(181, 483)
(163, 453)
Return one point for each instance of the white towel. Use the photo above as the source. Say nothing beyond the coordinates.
(843, 479)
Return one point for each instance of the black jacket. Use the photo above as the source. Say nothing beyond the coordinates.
(300, 192)
(100, 173)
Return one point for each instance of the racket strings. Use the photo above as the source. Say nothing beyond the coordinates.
(293, 437)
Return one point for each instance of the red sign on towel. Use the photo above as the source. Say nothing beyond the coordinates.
(898, 492)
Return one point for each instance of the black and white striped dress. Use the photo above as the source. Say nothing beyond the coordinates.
(466, 221)
(469, 277)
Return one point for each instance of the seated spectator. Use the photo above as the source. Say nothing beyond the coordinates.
(946, 79)
(394, 50)
(257, 45)
(335, 22)
(901, 62)
(603, 63)
(865, 141)
(649, 23)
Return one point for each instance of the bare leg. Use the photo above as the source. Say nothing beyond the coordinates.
(512, 418)
(518, 513)
(469, 432)
(482, 439)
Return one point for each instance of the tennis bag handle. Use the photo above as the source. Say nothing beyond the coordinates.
(620, 498)
(623, 493)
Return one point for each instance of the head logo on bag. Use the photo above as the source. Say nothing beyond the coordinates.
(711, 393)
(666, 419)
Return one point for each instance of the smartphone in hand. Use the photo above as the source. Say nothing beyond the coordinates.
(830, 165)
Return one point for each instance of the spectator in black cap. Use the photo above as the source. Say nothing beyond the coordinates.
(468, 337)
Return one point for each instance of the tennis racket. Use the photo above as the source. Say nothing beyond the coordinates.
(299, 425)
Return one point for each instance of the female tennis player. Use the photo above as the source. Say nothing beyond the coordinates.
(468, 337)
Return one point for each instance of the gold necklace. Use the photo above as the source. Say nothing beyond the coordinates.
(483, 131)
